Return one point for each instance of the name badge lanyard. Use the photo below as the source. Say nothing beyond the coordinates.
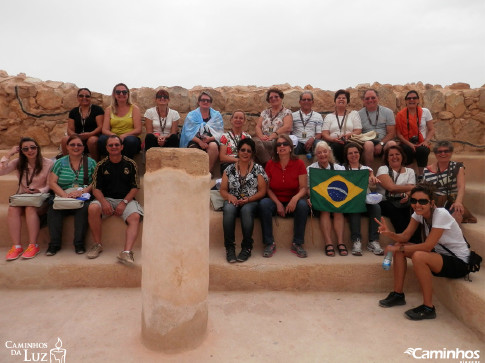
(418, 121)
(304, 123)
(272, 118)
(83, 119)
(164, 119)
(340, 124)
(377, 116)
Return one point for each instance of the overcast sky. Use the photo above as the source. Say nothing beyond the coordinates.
(328, 44)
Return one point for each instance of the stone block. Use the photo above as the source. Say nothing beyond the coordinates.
(455, 104)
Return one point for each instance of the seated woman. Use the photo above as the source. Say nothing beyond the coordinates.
(243, 185)
(448, 177)
(414, 129)
(161, 123)
(396, 181)
(86, 120)
(325, 160)
(71, 176)
(336, 131)
(32, 172)
(274, 121)
(203, 129)
(122, 118)
(286, 196)
(443, 253)
(229, 140)
(353, 159)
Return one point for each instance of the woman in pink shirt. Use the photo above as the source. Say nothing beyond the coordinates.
(32, 171)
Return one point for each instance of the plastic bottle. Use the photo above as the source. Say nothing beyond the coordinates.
(386, 264)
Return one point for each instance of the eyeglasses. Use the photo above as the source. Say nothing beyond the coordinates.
(163, 96)
(84, 96)
(419, 201)
(412, 98)
(370, 98)
(113, 145)
(285, 143)
(205, 100)
(76, 145)
(118, 92)
(306, 100)
(273, 97)
(249, 151)
(27, 148)
(443, 151)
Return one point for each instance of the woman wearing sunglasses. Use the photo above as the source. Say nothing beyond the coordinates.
(122, 118)
(414, 129)
(443, 253)
(325, 160)
(243, 185)
(67, 180)
(203, 128)
(286, 196)
(32, 172)
(161, 123)
(86, 120)
(274, 121)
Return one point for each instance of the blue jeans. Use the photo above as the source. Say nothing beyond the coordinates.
(131, 145)
(373, 211)
(247, 213)
(267, 209)
(300, 148)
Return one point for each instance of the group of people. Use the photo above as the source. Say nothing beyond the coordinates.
(261, 175)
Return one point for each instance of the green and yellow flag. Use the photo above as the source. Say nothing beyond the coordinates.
(342, 191)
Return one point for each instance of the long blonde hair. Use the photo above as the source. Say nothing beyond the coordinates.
(114, 102)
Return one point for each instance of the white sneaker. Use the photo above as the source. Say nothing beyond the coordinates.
(357, 248)
(126, 257)
(375, 248)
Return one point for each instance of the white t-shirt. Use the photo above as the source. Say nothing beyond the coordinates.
(313, 125)
(172, 116)
(352, 122)
(408, 177)
(425, 118)
(452, 237)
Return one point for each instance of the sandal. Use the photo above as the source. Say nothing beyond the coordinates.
(329, 250)
(342, 249)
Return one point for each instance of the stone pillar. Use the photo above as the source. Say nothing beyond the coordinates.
(175, 249)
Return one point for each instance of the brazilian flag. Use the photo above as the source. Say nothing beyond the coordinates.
(342, 191)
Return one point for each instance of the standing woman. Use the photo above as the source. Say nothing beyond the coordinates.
(415, 128)
(203, 128)
(161, 123)
(32, 172)
(286, 196)
(86, 120)
(325, 160)
(67, 180)
(353, 161)
(339, 126)
(274, 121)
(122, 118)
(243, 185)
(228, 154)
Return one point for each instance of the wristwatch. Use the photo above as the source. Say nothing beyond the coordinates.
(125, 201)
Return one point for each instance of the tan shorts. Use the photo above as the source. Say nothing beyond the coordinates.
(132, 207)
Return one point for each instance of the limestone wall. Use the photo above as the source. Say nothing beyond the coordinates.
(32, 107)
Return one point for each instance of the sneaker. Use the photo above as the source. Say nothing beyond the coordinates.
(51, 251)
(298, 250)
(31, 251)
(230, 255)
(14, 253)
(95, 250)
(357, 247)
(244, 255)
(269, 250)
(126, 257)
(375, 248)
(79, 250)
(421, 312)
(393, 299)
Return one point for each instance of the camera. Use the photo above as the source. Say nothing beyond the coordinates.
(414, 140)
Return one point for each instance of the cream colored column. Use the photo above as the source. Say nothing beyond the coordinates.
(175, 249)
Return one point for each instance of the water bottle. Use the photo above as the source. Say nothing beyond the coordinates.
(386, 264)
(309, 156)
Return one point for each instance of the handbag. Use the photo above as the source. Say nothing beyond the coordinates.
(217, 201)
(28, 200)
(362, 138)
(72, 203)
(445, 201)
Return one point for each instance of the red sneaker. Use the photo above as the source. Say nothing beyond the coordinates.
(14, 253)
(31, 251)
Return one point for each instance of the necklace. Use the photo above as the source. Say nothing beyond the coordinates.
(83, 119)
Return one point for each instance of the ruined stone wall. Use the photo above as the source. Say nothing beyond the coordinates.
(32, 107)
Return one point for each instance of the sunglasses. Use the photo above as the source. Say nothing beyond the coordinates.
(76, 145)
(163, 96)
(84, 96)
(118, 92)
(419, 201)
(205, 100)
(113, 145)
(249, 151)
(443, 152)
(27, 148)
(285, 143)
(412, 98)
